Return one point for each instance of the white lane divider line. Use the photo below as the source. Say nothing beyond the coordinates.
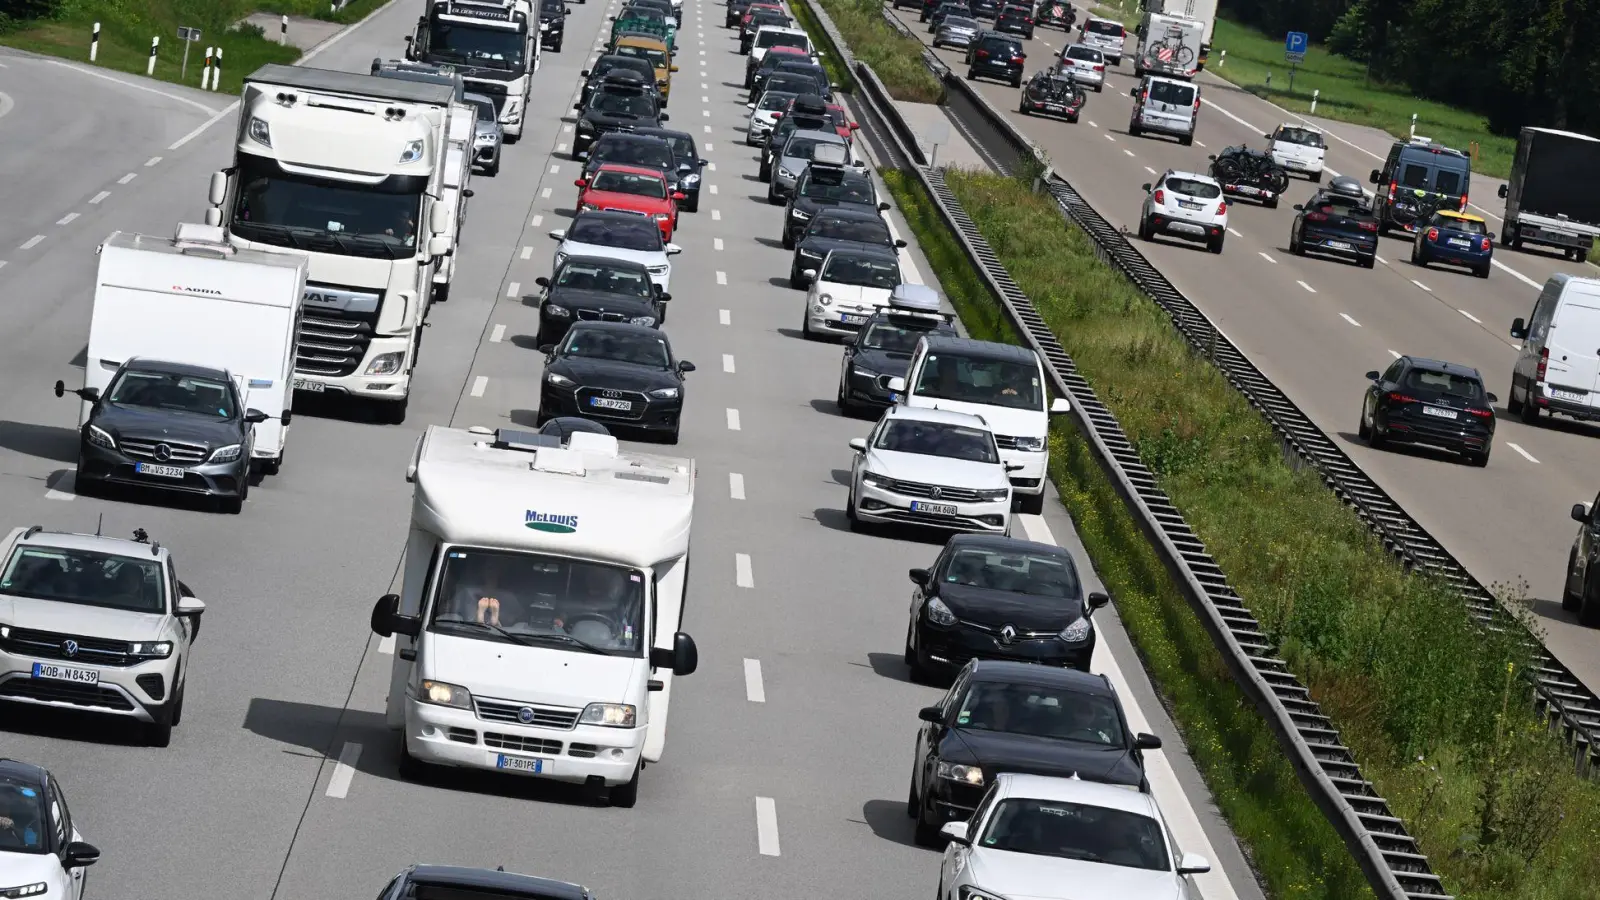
(1381, 259)
(344, 770)
(713, 188)
(716, 243)
(561, 147)
(1199, 143)
(767, 826)
(127, 178)
(754, 691)
(1394, 354)
(733, 419)
(1093, 124)
(567, 128)
(704, 86)
(2, 264)
(527, 252)
(1265, 256)
(716, 215)
(1510, 271)
(1308, 287)
(386, 646)
(705, 99)
(1111, 138)
(1235, 232)
(708, 129)
(1346, 317)
(498, 335)
(95, 200)
(713, 166)
(722, 278)
(1127, 151)
(32, 242)
(479, 385)
(536, 221)
(1150, 170)
(1421, 285)
(1470, 316)
(544, 194)
(513, 289)
(742, 575)
(1525, 454)
(554, 168)
(736, 485)
(151, 161)
(67, 219)
(727, 363)
(724, 317)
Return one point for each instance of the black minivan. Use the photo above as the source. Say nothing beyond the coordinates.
(996, 55)
(1418, 179)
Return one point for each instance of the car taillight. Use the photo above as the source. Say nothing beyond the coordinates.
(1483, 243)
(1544, 360)
(1144, 97)
(1463, 202)
(1099, 68)
(1433, 234)
(1369, 226)
(1016, 59)
(982, 53)
(1161, 197)
(1397, 397)
(1222, 208)
(1482, 413)
(1029, 20)
(1316, 217)
(1392, 186)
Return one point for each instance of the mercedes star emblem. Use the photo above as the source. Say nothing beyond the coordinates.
(1008, 634)
(525, 715)
(70, 648)
(162, 453)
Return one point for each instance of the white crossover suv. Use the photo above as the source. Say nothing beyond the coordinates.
(95, 624)
(1185, 205)
(614, 234)
(930, 467)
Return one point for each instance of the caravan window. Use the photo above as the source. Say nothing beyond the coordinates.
(539, 600)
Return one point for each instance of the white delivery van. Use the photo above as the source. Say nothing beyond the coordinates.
(454, 195)
(1558, 368)
(537, 628)
(196, 299)
(1004, 384)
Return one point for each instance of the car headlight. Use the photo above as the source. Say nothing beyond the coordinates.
(226, 454)
(646, 321)
(784, 173)
(1078, 631)
(386, 363)
(800, 214)
(486, 137)
(591, 207)
(1031, 444)
(260, 132)
(939, 614)
(668, 393)
(441, 693)
(558, 311)
(994, 496)
(691, 178)
(662, 217)
(868, 373)
(412, 152)
(660, 270)
(36, 889)
(825, 299)
(585, 126)
(561, 257)
(611, 715)
(876, 480)
(810, 254)
(962, 773)
(558, 380)
(101, 438)
(151, 649)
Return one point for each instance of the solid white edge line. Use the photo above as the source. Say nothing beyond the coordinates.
(767, 826)
(1525, 454)
(754, 690)
(479, 385)
(200, 129)
(743, 575)
(344, 770)
(735, 486)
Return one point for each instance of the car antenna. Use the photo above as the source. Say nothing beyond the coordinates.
(99, 524)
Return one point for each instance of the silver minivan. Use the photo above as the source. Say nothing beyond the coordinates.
(1558, 368)
(1165, 106)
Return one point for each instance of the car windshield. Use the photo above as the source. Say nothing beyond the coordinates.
(477, 45)
(651, 186)
(1193, 187)
(1470, 226)
(634, 106)
(1037, 574)
(485, 107)
(850, 189)
(651, 154)
(1305, 137)
(775, 100)
(639, 348)
(86, 578)
(1087, 54)
(1170, 92)
(290, 209)
(891, 338)
(682, 146)
(850, 230)
(979, 380)
(1093, 834)
(530, 598)
(799, 83)
(1109, 29)
(938, 439)
(655, 56)
(862, 271)
(1053, 712)
(171, 392)
(643, 235)
(1447, 383)
(22, 817)
(783, 39)
(597, 276)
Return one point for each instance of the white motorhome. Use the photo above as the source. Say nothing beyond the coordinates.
(537, 628)
(1169, 45)
(347, 170)
(1558, 368)
(493, 43)
(196, 299)
(1202, 11)
(454, 196)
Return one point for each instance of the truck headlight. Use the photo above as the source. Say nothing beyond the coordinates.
(959, 772)
(411, 153)
(558, 311)
(558, 380)
(101, 438)
(1078, 631)
(441, 693)
(665, 393)
(151, 649)
(226, 454)
(1030, 444)
(611, 715)
(259, 132)
(386, 363)
(939, 614)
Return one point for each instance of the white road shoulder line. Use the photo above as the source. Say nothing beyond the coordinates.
(344, 770)
(1381, 259)
(742, 574)
(754, 690)
(1127, 151)
(1235, 232)
(479, 385)
(767, 826)
(1525, 454)
(1421, 285)
(735, 486)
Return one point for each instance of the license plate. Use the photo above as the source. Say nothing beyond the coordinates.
(849, 319)
(1441, 413)
(1339, 245)
(1559, 394)
(1187, 205)
(520, 764)
(305, 384)
(65, 673)
(1456, 242)
(158, 471)
(1187, 228)
(933, 509)
(1244, 189)
(607, 403)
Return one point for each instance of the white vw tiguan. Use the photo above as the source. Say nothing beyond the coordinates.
(930, 467)
(1185, 205)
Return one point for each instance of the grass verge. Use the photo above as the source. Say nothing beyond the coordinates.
(1427, 702)
(896, 58)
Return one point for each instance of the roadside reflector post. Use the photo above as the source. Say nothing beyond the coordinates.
(150, 67)
(94, 42)
(283, 31)
(216, 70)
(1223, 59)
(1413, 125)
(1314, 95)
(205, 73)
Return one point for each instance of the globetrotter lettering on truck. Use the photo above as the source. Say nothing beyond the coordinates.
(551, 522)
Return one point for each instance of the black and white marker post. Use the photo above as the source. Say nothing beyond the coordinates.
(94, 42)
(150, 67)
(283, 31)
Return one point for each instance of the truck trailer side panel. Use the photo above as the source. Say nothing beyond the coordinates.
(1561, 178)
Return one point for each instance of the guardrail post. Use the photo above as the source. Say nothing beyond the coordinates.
(94, 42)
(216, 70)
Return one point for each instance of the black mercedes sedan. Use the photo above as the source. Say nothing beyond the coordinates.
(882, 350)
(1425, 401)
(621, 374)
(598, 289)
(171, 427)
(1023, 718)
(827, 187)
(838, 229)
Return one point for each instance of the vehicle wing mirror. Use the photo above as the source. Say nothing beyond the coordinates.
(61, 388)
(663, 117)
(560, 234)
(1193, 864)
(580, 182)
(439, 245)
(749, 106)
(1267, 136)
(1145, 187)
(931, 714)
(1146, 742)
(1212, 157)
(1374, 176)
(1580, 512)
(255, 416)
(1060, 405)
(1098, 599)
(957, 833)
(386, 618)
(469, 193)
(849, 340)
(859, 445)
(808, 274)
(1373, 375)
(673, 69)
(191, 606)
(438, 219)
(673, 249)
(900, 244)
(1491, 398)
(920, 576)
(1519, 328)
(547, 349)
(663, 296)
(1491, 236)
(1503, 191)
(883, 207)
(897, 384)
(584, 74)
(1014, 467)
(578, 107)
(218, 190)
(79, 854)
(1299, 207)
(683, 658)
(685, 366)
(542, 281)
(679, 195)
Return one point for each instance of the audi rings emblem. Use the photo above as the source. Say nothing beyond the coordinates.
(162, 453)
(612, 394)
(1008, 634)
(525, 715)
(70, 648)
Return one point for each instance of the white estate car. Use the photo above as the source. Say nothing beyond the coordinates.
(1185, 205)
(95, 624)
(1299, 149)
(614, 234)
(42, 855)
(930, 467)
(1086, 65)
(847, 289)
(1047, 838)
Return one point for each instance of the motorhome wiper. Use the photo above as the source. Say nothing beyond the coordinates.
(569, 639)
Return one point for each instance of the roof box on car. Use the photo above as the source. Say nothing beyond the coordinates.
(917, 298)
(830, 155)
(810, 105)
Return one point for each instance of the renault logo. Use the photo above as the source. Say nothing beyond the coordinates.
(70, 648)
(936, 493)
(162, 453)
(525, 715)
(1008, 634)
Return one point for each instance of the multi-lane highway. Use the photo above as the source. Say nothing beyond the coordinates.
(790, 749)
(1315, 326)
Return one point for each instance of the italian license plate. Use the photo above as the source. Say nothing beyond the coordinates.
(1339, 245)
(849, 319)
(1559, 394)
(933, 509)
(608, 403)
(158, 471)
(1441, 413)
(1187, 228)
(305, 384)
(65, 673)
(527, 764)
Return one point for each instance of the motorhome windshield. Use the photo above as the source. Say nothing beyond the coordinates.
(976, 379)
(476, 45)
(327, 216)
(539, 600)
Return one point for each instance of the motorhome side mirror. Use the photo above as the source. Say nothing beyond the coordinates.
(883, 207)
(685, 366)
(542, 281)
(920, 576)
(896, 384)
(547, 349)
(386, 618)
(956, 833)
(79, 854)
(255, 416)
(859, 445)
(682, 659)
(931, 714)
(1146, 742)
(1580, 512)
(1145, 187)
(1098, 599)
(218, 190)
(1502, 192)
(1519, 328)
(1374, 175)
(1373, 375)
(287, 415)
(1060, 405)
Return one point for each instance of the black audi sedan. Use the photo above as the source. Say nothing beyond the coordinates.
(1003, 716)
(171, 427)
(1425, 401)
(620, 374)
(838, 229)
(827, 187)
(598, 289)
(882, 350)
(614, 108)
(689, 168)
(995, 597)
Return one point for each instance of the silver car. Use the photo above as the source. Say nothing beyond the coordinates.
(490, 137)
(1104, 35)
(956, 31)
(793, 159)
(764, 115)
(1086, 65)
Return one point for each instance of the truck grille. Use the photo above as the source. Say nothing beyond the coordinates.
(918, 489)
(51, 645)
(177, 454)
(333, 343)
(542, 716)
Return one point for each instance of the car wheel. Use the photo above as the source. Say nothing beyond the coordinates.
(911, 800)
(1031, 504)
(805, 326)
(1375, 438)
(1589, 608)
(177, 708)
(158, 734)
(1295, 247)
(926, 834)
(795, 281)
(846, 408)
(1363, 430)
(1215, 244)
(273, 466)
(1022, 107)
(1530, 410)
(787, 241)
(235, 505)
(1146, 233)
(1416, 257)
(1134, 130)
(909, 657)
(1570, 599)
(772, 196)
(765, 172)
(1479, 459)
(411, 768)
(1481, 271)
(1186, 140)
(624, 796)
(1016, 82)
(970, 76)
(539, 418)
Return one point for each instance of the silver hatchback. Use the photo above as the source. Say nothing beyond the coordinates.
(1086, 65)
(956, 31)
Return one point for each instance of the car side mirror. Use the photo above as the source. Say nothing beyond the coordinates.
(1519, 328)
(1193, 864)
(900, 244)
(896, 384)
(255, 416)
(663, 296)
(191, 606)
(1580, 512)
(578, 107)
(1098, 599)
(1060, 405)
(1374, 175)
(749, 106)
(547, 349)
(468, 193)
(1212, 157)
(855, 126)
(673, 69)
(663, 117)
(956, 832)
(386, 618)
(683, 658)
(1267, 136)
(542, 281)
(673, 249)
(1145, 187)
(79, 854)
(1491, 398)
(859, 445)
(584, 74)
(1299, 207)
(580, 182)
(560, 234)
(931, 714)
(808, 274)
(1146, 742)
(1491, 236)
(920, 576)
(883, 207)
(685, 366)
(1373, 376)
(1503, 191)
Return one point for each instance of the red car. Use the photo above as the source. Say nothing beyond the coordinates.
(841, 122)
(750, 10)
(632, 189)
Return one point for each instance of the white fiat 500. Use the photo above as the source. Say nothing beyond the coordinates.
(1185, 205)
(930, 467)
(849, 287)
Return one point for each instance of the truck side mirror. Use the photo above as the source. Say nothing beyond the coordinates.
(438, 246)
(386, 618)
(1503, 191)
(682, 659)
(1519, 328)
(218, 190)
(438, 219)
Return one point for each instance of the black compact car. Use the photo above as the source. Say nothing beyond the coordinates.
(621, 374)
(984, 9)
(458, 881)
(1246, 172)
(690, 167)
(838, 229)
(552, 24)
(1336, 221)
(789, 68)
(948, 8)
(1425, 401)
(614, 109)
(1052, 92)
(645, 149)
(994, 597)
(1418, 179)
(763, 68)
(1581, 591)
(598, 289)
(171, 427)
(779, 136)
(609, 63)
(1056, 14)
(35, 806)
(827, 187)
(996, 55)
(1015, 19)
(1003, 716)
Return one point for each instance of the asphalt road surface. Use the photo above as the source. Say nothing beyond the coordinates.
(790, 749)
(1316, 326)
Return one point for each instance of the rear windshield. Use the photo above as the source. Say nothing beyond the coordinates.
(652, 154)
(636, 106)
(1463, 386)
(960, 22)
(801, 148)
(632, 63)
(850, 230)
(1087, 54)
(656, 58)
(782, 39)
(1305, 137)
(643, 235)
(1431, 176)
(1191, 187)
(1467, 225)
(1109, 29)
(1171, 92)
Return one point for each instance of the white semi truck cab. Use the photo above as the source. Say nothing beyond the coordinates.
(537, 632)
(346, 170)
(494, 44)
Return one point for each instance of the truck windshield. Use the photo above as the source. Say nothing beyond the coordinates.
(326, 216)
(539, 600)
(477, 45)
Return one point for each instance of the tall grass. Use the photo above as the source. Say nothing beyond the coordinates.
(896, 59)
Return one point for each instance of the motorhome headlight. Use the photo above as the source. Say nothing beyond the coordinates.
(441, 693)
(646, 321)
(557, 311)
(1031, 444)
(259, 132)
(558, 380)
(226, 454)
(150, 649)
(36, 889)
(611, 715)
(386, 363)
(101, 438)
(668, 393)
(412, 152)
(1078, 631)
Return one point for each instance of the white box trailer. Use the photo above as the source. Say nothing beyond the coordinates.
(196, 299)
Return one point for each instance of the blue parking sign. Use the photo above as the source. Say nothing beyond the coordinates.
(1294, 46)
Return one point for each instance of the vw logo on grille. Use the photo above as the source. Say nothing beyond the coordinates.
(612, 394)
(936, 493)
(1008, 634)
(162, 452)
(525, 715)
(70, 648)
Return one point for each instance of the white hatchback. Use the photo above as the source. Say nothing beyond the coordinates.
(764, 115)
(1299, 149)
(847, 289)
(1185, 205)
(930, 467)
(1086, 65)
(613, 234)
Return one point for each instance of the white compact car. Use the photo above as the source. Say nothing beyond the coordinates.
(847, 289)
(764, 114)
(614, 234)
(1049, 838)
(1086, 65)
(42, 855)
(1185, 205)
(95, 624)
(1299, 149)
(930, 467)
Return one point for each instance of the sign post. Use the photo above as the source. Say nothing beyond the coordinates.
(188, 36)
(1294, 52)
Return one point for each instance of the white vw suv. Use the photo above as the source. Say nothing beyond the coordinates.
(95, 624)
(930, 467)
(1185, 205)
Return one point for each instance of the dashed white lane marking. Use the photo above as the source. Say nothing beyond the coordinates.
(1507, 269)
(1235, 232)
(706, 113)
(386, 646)
(1308, 287)
(513, 289)
(498, 335)
(95, 200)
(1394, 354)
(1150, 170)
(704, 86)
(708, 129)
(1470, 316)
(716, 215)
(1381, 259)
(712, 187)
(736, 485)
(151, 161)
(1525, 454)
(742, 575)
(561, 147)
(727, 363)
(705, 99)
(733, 419)
(722, 278)
(1346, 317)
(339, 784)
(479, 385)
(567, 128)
(544, 194)
(1421, 285)
(2, 264)
(767, 826)
(554, 169)
(1199, 143)
(67, 219)
(1111, 138)
(1266, 257)
(1093, 124)
(716, 243)
(1127, 151)
(127, 178)
(724, 317)
(535, 221)
(527, 252)
(32, 242)
(754, 691)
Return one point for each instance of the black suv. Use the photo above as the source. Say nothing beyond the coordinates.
(823, 187)
(882, 350)
(985, 9)
(1417, 180)
(621, 103)
(1015, 19)
(690, 166)
(612, 62)
(552, 24)
(996, 55)
(1425, 401)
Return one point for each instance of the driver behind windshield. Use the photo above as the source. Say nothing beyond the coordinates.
(20, 825)
(526, 596)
